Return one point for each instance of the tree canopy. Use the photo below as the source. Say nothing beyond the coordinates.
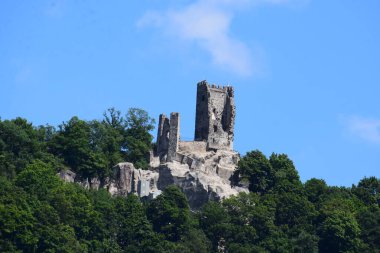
(41, 213)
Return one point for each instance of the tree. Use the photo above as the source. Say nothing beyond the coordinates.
(213, 221)
(255, 169)
(112, 133)
(21, 143)
(38, 179)
(339, 232)
(294, 210)
(74, 143)
(170, 214)
(369, 221)
(315, 189)
(17, 223)
(286, 178)
(368, 190)
(138, 139)
(134, 232)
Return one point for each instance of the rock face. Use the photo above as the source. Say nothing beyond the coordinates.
(202, 176)
(201, 168)
(129, 180)
(126, 179)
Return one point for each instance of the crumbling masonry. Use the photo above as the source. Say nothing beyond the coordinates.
(214, 124)
(201, 168)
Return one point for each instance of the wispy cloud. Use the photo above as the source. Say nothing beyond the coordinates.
(365, 128)
(207, 23)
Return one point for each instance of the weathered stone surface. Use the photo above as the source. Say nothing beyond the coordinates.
(205, 178)
(162, 141)
(201, 168)
(173, 136)
(192, 146)
(67, 175)
(215, 115)
(127, 180)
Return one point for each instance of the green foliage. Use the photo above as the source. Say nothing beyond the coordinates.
(134, 230)
(262, 176)
(38, 179)
(138, 139)
(369, 221)
(74, 144)
(21, 143)
(315, 190)
(41, 213)
(339, 232)
(368, 190)
(170, 214)
(255, 169)
(286, 177)
(17, 222)
(92, 148)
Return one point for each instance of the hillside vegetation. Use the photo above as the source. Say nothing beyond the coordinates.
(41, 213)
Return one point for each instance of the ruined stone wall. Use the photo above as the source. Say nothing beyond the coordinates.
(163, 137)
(215, 116)
(202, 116)
(192, 146)
(168, 137)
(173, 136)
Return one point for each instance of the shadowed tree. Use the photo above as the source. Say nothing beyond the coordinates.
(138, 141)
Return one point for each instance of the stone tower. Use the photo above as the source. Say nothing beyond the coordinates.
(168, 137)
(215, 116)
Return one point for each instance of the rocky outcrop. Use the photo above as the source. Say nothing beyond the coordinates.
(129, 180)
(202, 176)
(126, 179)
(201, 168)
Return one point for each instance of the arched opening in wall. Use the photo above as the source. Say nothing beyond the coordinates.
(215, 128)
(213, 114)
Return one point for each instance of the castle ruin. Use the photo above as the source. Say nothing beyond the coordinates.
(202, 168)
(214, 125)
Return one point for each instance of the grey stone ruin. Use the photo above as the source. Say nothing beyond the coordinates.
(215, 116)
(202, 168)
(214, 123)
(168, 137)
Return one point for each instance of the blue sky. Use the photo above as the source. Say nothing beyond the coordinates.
(306, 73)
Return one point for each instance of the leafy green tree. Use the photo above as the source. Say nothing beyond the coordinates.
(17, 223)
(286, 178)
(369, 221)
(315, 189)
(108, 137)
(213, 221)
(294, 210)
(255, 170)
(339, 232)
(170, 214)
(38, 179)
(74, 207)
(53, 235)
(21, 143)
(368, 190)
(195, 241)
(138, 139)
(74, 144)
(134, 233)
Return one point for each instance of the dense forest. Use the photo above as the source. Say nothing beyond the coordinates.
(41, 213)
